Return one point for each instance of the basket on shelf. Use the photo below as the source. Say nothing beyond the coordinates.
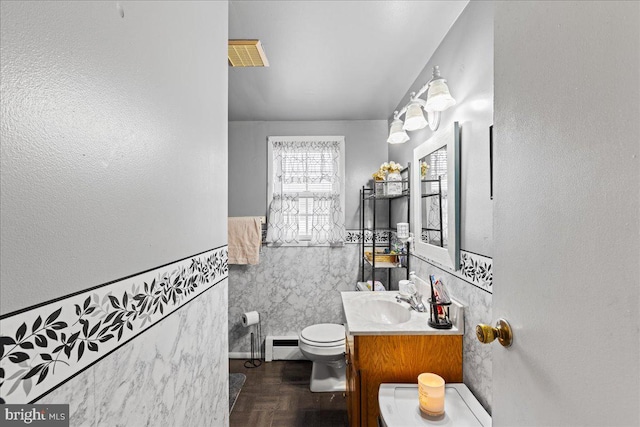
(381, 257)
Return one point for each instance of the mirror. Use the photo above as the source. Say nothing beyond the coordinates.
(435, 197)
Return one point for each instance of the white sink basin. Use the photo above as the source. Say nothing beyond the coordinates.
(378, 313)
(386, 312)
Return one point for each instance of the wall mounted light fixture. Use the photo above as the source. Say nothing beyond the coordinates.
(414, 118)
(438, 100)
(397, 135)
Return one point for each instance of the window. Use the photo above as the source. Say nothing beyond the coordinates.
(306, 191)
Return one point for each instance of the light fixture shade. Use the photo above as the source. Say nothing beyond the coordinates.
(414, 118)
(438, 96)
(396, 134)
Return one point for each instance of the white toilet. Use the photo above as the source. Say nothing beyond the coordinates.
(399, 407)
(324, 345)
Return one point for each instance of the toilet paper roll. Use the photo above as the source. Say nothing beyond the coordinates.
(250, 318)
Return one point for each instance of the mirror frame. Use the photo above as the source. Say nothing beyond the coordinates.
(449, 256)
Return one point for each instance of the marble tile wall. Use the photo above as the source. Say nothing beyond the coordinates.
(477, 368)
(291, 288)
(174, 374)
(79, 394)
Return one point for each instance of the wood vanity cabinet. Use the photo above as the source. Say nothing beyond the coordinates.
(353, 385)
(376, 359)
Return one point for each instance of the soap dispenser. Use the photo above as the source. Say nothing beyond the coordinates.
(412, 282)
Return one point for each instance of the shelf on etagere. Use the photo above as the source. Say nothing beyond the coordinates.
(381, 189)
(381, 195)
(387, 196)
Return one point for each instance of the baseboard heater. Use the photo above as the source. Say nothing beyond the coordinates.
(282, 348)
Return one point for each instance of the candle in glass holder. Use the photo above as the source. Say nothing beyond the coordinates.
(431, 394)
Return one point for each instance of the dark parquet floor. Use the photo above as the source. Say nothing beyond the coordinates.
(277, 394)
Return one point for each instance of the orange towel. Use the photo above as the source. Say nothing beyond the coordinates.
(245, 238)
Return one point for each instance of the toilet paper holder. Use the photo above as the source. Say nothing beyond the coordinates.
(252, 319)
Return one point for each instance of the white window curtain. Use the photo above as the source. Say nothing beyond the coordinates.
(306, 190)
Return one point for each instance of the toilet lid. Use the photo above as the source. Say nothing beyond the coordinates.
(400, 407)
(324, 333)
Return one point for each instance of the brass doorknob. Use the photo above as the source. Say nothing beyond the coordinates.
(502, 331)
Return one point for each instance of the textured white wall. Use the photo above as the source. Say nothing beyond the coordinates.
(567, 213)
(114, 161)
(113, 141)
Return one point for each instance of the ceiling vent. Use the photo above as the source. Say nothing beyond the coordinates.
(247, 53)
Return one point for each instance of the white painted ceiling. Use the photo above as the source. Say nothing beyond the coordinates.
(333, 60)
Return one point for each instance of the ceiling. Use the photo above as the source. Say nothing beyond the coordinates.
(333, 60)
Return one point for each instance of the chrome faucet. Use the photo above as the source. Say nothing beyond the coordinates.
(415, 301)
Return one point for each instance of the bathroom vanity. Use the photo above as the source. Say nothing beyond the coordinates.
(387, 342)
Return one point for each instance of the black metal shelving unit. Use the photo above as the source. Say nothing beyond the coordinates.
(370, 202)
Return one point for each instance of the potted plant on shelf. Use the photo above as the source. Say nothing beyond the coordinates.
(393, 174)
(379, 178)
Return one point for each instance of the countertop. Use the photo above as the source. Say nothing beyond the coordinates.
(357, 305)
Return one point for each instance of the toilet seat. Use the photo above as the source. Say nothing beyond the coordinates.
(323, 335)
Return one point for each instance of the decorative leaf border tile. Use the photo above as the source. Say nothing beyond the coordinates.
(355, 236)
(478, 269)
(41, 348)
(474, 268)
